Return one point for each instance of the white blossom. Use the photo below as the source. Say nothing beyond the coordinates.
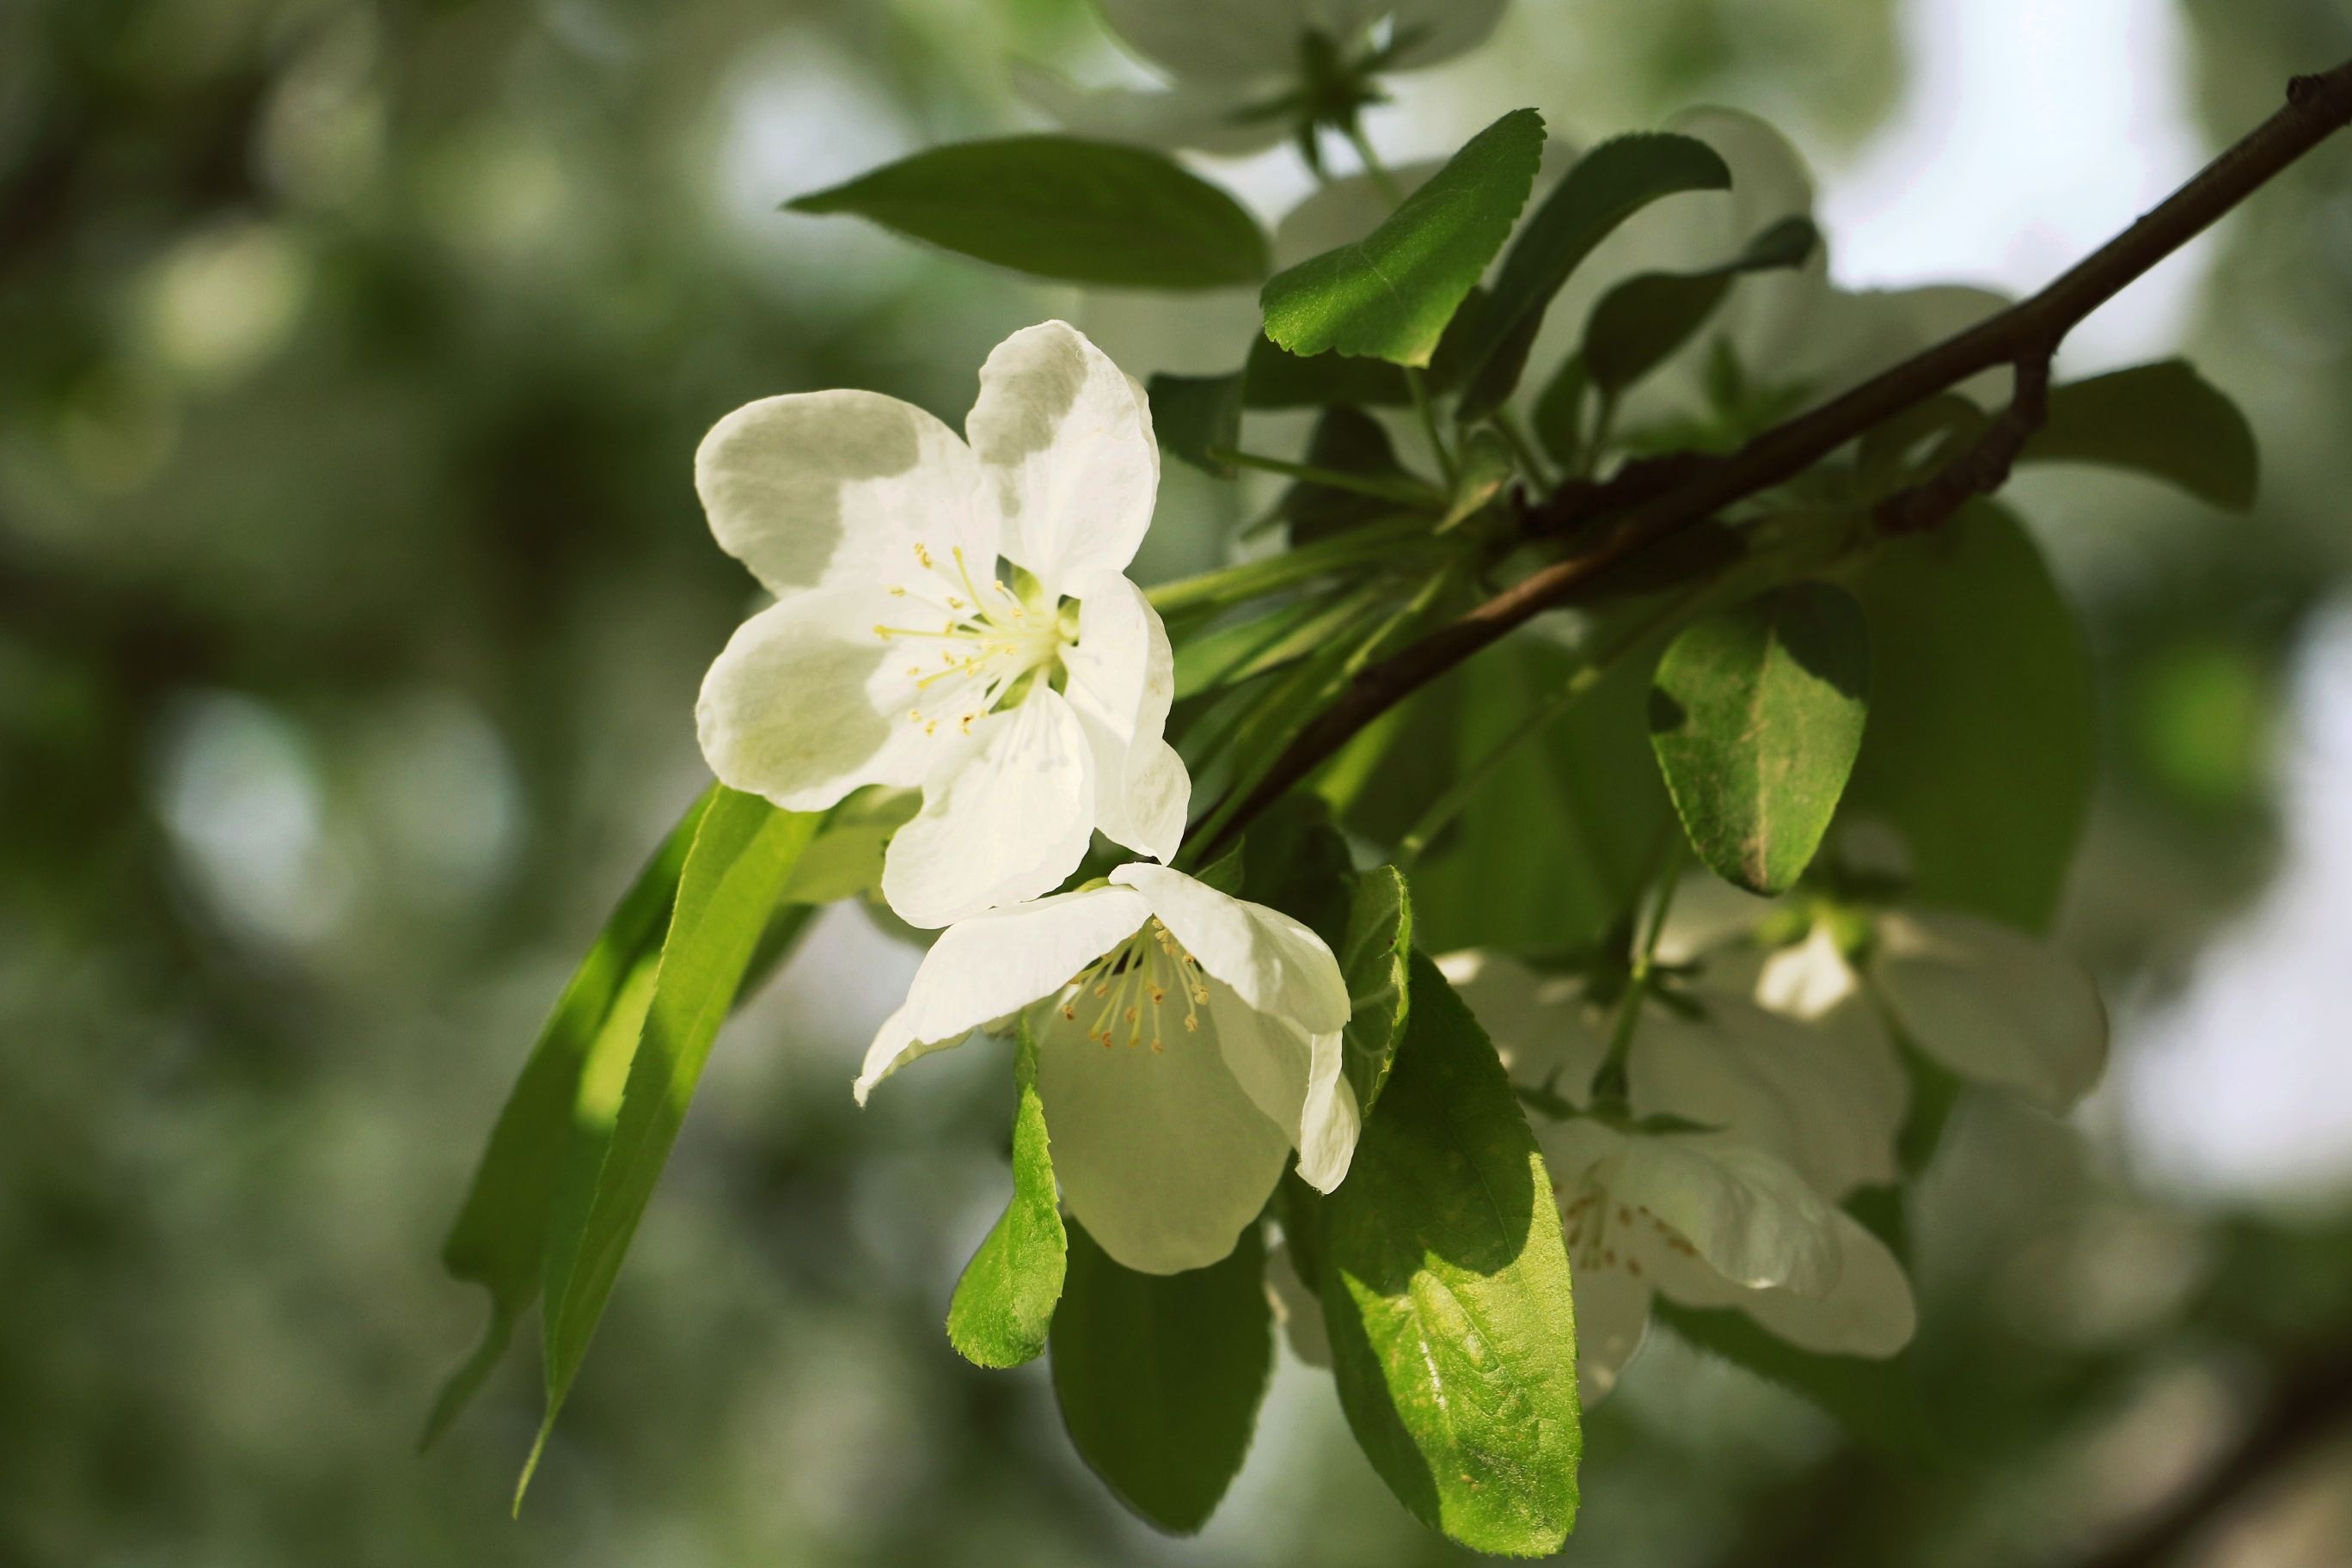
(1187, 1041)
(952, 617)
(1239, 79)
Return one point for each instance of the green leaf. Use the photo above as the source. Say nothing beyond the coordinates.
(1608, 186)
(1194, 415)
(1376, 955)
(1346, 441)
(2163, 420)
(1981, 749)
(1060, 208)
(1878, 1401)
(1445, 1290)
(1232, 654)
(845, 861)
(1486, 465)
(744, 850)
(1389, 295)
(1004, 1305)
(1755, 715)
(1277, 378)
(1641, 322)
(1159, 1375)
(500, 1240)
(1560, 414)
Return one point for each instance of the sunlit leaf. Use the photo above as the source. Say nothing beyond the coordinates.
(1004, 1304)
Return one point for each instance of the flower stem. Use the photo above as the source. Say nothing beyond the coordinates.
(1418, 385)
(1609, 1083)
(1378, 540)
(1404, 491)
(1381, 179)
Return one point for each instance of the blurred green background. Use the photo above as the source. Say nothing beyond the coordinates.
(352, 599)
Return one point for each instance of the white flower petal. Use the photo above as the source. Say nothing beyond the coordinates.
(1828, 1101)
(1443, 29)
(1295, 1078)
(1992, 1004)
(1272, 961)
(1298, 1309)
(1869, 1312)
(819, 489)
(1806, 979)
(999, 963)
(1213, 40)
(1122, 678)
(1006, 821)
(1067, 458)
(807, 703)
(1547, 1033)
(1160, 1155)
(1206, 118)
(1612, 1318)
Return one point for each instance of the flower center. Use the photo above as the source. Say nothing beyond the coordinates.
(995, 646)
(1132, 990)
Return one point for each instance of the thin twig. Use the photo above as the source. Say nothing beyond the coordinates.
(1984, 467)
(2316, 108)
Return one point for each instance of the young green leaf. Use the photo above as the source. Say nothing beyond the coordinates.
(1486, 465)
(1389, 295)
(1982, 738)
(743, 851)
(1559, 417)
(1060, 208)
(1159, 1376)
(500, 1240)
(1375, 955)
(1641, 322)
(1194, 415)
(1755, 715)
(1346, 441)
(1445, 1290)
(1004, 1305)
(1608, 186)
(2163, 420)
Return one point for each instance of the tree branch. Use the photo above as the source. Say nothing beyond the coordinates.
(1640, 513)
(1984, 467)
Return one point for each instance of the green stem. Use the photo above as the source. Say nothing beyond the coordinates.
(1381, 179)
(1609, 1083)
(1405, 492)
(1418, 384)
(1523, 450)
(1378, 540)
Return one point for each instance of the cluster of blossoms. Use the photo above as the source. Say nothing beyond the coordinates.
(953, 616)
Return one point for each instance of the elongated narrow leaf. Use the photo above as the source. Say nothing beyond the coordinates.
(1638, 323)
(1755, 716)
(500, 1240)
(1159, 1375)
(1060, 208)
(1389, 295)
(743, 851)
(1982, 741)
(1194, 415)
(1445, 1290)
(1346, 441)
(1004, 1305)
(1375, 956)
(1608, 186)
(2163, 420)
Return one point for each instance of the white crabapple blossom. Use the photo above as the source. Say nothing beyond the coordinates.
(1721, 1190)
(1187, 1042)
(1244, 74)
(951, 617)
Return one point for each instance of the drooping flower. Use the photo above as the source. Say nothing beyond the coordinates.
(1245, 73)
(953, 617)
(1991, 1003)
(1825, 1098)
(1707, 1221)
(1187, 1041)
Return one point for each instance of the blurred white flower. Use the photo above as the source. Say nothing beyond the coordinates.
(1187, 1041)
(1245, 73)
(1030, 713)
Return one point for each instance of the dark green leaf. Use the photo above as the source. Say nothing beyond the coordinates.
(1299, 865)
(1348, 441)
(1755, 715)
(500, 1240)
(1878, 1401)
(2163, 420)
(1560, 414)
(1390, 294)
(1194, 415)
(1445, 1290)
(1375, 955)
(1917, 442)
(1004, 1305)
(1234, 653)
(1608, 186)
(1981, 743)
(1060, 208)
(743, 851)
(1638, 323)
(1484, 467)
(1277, 378)
(1159, 1375)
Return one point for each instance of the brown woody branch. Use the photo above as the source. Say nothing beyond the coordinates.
(1614, 521)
